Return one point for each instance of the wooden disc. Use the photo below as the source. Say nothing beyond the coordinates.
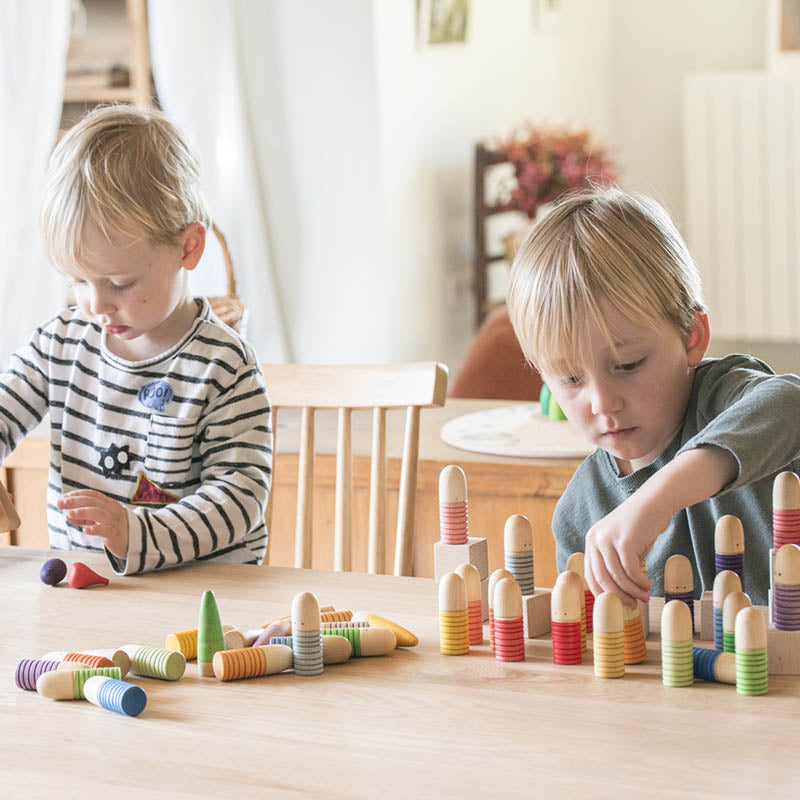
(726, 582)
(733, 604)
(678, 575)
(452, 593)
(751, 629)
(305, 612)
(786, 492)
(565, 603)
(608, 616)
(497, 575)
(787, 565)
(472, 580)
(729, 535)
(507, 600)
(452, 485)
(676, 622)
(517, 535)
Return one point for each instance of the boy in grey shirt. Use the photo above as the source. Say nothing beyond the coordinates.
(607, 303)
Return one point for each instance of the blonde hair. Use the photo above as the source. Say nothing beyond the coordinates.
(593, 245)
(128, 170)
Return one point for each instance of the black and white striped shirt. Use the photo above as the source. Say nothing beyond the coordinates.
(183, 440)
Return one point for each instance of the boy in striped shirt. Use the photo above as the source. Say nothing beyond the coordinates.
(161, 438)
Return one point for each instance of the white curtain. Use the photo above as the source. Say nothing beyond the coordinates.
(33, 50)
(200, 84)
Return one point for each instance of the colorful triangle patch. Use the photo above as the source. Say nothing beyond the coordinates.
(148, 493)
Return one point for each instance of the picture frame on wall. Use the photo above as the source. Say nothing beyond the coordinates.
(442, 22)
(783, 36)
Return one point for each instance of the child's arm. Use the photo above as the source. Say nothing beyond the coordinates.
(617, 545)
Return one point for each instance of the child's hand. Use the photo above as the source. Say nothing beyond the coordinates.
(616, 547)
(98, 515)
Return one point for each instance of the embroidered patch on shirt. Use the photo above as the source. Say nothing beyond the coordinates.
(148, 493)
(156, 395)
(114, 459)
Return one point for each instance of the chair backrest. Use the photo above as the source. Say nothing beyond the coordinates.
(348, 387)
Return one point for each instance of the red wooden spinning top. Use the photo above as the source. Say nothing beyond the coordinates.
(79, 576)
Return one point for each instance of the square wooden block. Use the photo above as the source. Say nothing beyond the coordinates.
(783, 652)
(536, 613)
(706, 616)
(446, 557)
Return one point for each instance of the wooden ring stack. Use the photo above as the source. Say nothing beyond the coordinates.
(577, 563)
(29, 669)
(724, 583)
(335, 649)
(494, 578)
(677, 660)
(751, 652)
(575, 580)
(472, 580)
(68, 685)
(518, 551)
(118, 658)
(156, 662)
(729, 545)
(785, 510)
(565, 623)
(453, 617)
(252, 662)
(365, 641)
(509, 631)
(786, 588)
(635, 645)
(453, 515)
(306, 639)
(733, 604)
(679, 582)
(608, 637)
(353, 623)
(115, 695)
(714, 665)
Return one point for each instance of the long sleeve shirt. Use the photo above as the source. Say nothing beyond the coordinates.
(183, 440)
(739, 404)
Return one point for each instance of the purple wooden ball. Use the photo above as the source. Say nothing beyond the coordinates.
(53, 571)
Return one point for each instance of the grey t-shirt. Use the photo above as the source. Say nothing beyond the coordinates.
(739, 404)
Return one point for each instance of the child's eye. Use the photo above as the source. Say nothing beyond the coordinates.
(122, 286)
(631, 366)
(570, 380)
(77, 282)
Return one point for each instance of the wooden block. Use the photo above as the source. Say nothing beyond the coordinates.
(783, 651)
(485, 600)
(446, 557)
(536, 613)
(707, 616)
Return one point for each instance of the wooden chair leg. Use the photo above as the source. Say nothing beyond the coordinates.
(305, 492)
(376, 563)
(403, 554)
(342, 536)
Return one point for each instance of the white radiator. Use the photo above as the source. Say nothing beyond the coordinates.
(742, 162)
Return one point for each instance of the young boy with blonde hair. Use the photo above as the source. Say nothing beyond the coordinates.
(160, 425)
(607, 304)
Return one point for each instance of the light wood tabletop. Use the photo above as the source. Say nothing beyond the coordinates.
(411, 724)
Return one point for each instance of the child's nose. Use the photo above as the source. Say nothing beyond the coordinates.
(605, 399)
(100, 302)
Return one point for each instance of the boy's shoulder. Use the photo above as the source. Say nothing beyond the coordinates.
(219, 341)
(69, 326)
(715, 368)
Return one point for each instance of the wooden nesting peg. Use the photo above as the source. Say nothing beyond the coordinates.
(251, 662)
(751, 652)
(306, 638)
(566, 607)
(453, 615)
(497, 575)
(679, 581)
(405, 638)
(787, 565)
(576, 563)
(729, 545)
(714, 665)
(68, 685)
(786, 588)
(786, 491)
(119, 658)
(210, 637)
(509, 637)
(474, 615)
(576, 581)
(635, 645)
(734, 603)
(677, 662)
(608, 636)
(785, 510)
(518, 551)
(725, 582)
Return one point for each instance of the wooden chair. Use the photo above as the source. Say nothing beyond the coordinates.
(410, 386)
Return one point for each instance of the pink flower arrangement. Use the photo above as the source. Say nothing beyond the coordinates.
(550, 161)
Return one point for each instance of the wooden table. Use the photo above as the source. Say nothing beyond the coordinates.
(498, 486)
(412, 724)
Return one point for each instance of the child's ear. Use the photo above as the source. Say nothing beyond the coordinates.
(699, 337)
(193, 242)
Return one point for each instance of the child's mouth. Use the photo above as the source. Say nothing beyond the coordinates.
(116, 329)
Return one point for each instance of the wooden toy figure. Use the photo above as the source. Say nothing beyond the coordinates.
(576, 563)
(115, 695)
(679, 582)
(714, 665)
(79, 576)
(635, 645)
(724, 583)
(453, 616)
(405, 638)
(365, 641)
(786, 588)
(252, 662)
(751, 652)
(509, 632)
(472, 581)
(496, 576)
(608, 637)
(565, 623)
(156, 662)
(117, 657)
(518, 551)
(576, 581)
(68, 685)
(210, 636)
(729, 545)
(306, 639)
(453, 520)
(29, 669)
(677, 662)
(335, 649)
(785, 510)
(733, 604)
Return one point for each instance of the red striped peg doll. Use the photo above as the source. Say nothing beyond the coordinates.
(496, 576)
(576, 563)
(453, 517)
(509, 632)
(785, 510)
(472, 580)
(565, 623)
